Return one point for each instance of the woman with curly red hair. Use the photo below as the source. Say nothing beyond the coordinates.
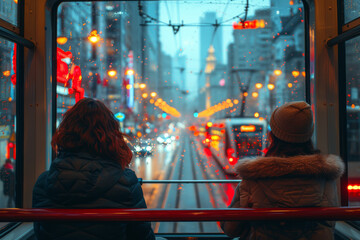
(90, 171)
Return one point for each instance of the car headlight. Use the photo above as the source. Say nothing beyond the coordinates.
(160, 139)
(148, 148)
(137, 148)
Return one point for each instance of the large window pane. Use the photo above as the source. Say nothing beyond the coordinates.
(7, 123)
(353, 119)
(9, 10)
(182, 76)
(351, 10)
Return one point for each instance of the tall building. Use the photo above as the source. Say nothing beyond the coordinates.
(208, 36)
(250, 60)
(289, 58)
(75, 26)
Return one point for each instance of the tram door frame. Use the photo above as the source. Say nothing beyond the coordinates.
(40, 66)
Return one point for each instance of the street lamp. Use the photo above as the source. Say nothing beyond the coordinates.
(94, 37)
(144, 95)
(62, 40)
(112, 73)
(295, 73)
(271, 86)
(129, 71)
(153, 94)
(277, 72)
(142, 85)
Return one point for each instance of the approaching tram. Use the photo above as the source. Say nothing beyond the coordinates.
(232, 139)
(160, 65)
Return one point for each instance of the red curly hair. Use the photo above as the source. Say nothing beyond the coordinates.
(89, 126)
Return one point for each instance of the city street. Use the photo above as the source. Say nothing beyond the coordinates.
(183, 159)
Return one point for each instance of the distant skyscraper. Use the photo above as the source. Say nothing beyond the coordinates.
(207, 37)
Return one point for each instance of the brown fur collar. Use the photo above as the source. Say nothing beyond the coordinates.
(322, 166)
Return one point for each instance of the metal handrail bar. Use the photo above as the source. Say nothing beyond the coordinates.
(189, 181)
(176, 215)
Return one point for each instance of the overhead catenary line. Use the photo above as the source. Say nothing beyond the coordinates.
(176, 27)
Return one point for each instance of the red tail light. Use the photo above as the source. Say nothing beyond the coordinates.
(230, 152)
(353, 187)
(232, 160)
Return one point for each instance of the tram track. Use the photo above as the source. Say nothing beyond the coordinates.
(221, 190)
(165, 190)
(187, 148)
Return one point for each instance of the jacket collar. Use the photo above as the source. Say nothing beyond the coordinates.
(318, 166)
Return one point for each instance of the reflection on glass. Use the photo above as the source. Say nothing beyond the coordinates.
(8, 11)
(353, 120)
(351, 10)
(7, 123)
(167, 69)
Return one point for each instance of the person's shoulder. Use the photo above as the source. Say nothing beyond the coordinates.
(129, 177)
(41, 179)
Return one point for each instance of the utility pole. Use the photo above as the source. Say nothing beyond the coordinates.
(93, 51)
(243, 88)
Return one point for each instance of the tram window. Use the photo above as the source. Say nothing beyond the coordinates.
(7, 124)
(8, 10)
(353, 119)
(167, 73)
(351, 10)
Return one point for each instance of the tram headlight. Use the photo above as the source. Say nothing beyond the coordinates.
(137, 148)
(148, 148)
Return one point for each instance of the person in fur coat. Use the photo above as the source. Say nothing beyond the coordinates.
(291, 174)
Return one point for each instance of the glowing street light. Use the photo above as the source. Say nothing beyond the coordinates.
(258, 85)
(6, 73)
(129, 72)
(153, 94)
(94, 37)
(271, 86)
(255, 94)
(112, 73)
(277, 72)
(256, 114)
(290, 85)
(62, 40)
(142, 85)
(236, 101)
(295, 73)
(144, 95)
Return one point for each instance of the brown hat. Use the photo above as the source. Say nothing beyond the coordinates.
(292, 122)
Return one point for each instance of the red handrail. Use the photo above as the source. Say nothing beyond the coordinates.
(174, 215)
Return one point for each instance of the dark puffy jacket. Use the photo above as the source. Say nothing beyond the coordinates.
(79, 180)
(275, 182)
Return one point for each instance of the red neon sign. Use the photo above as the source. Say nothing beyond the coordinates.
(249, 24)
(63, 74)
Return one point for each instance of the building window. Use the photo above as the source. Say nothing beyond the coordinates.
(9, 10)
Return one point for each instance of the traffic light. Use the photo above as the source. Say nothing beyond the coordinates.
(196, 114)
(164, 115)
